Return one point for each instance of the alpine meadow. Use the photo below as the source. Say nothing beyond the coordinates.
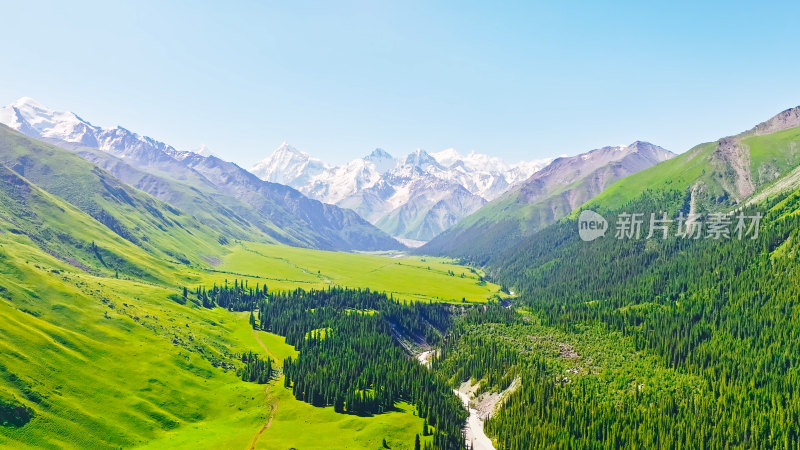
(448, 248)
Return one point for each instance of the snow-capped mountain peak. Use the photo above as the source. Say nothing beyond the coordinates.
(30, 117)
(447, 157)
(154, 166)
(382, 160)
(289, 166)
(203, 150)
(67, 129)
(378, 154)
(421, 159)
(415, 197)
(24, 102)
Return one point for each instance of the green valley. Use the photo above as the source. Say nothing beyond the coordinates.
(400, 226)
(99, 347)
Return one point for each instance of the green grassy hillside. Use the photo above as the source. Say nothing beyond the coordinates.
(193, 194)
(101, 362)
(37, 218)
(106, 362)
(155, 227)
(702, 170)
(98, 349)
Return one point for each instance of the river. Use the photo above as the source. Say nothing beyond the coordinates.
(473, 432)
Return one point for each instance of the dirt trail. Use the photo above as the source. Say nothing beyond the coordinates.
(252, 445)
(261, 343)
(268, 398)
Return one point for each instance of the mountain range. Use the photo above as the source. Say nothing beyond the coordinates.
(219, 193)
(413, 198)
(110, 241)
(367, 204)
(545, 197)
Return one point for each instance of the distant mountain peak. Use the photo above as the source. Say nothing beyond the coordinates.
(381, 160)
(421, 158)
(288, 165)
(27, 101)
(604, 155)
(274, 210)
(416, 196)
(448, 157)
(543, 198)
(203, 150)
(378, 153)
(286, 147)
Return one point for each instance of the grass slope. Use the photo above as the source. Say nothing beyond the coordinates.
(94, 348)
(322, 428)
(154, 226)
(405, 277)
(770, 157)
(192, 194)
(104, 362)
(107, 363)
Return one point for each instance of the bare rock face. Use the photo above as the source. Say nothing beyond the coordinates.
(545, 197)
(784, 120)
(599, 168)
(732, 155)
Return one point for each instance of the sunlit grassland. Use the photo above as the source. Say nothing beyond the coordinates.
(94, 346)
(108, 362)
(404, 277)
(294, 424)
(105, 362)
(300, 425)
(98, 343)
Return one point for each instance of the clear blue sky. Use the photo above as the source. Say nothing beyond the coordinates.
(519, 80)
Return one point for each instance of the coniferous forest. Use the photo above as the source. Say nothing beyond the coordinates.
(350, 356)
(720, 319)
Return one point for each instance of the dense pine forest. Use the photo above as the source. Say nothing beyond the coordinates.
(720, 317)
(350, 352)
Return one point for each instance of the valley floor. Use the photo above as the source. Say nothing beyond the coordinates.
(107, 362)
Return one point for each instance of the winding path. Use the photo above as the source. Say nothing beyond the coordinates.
(252, 445)
(268, 398)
